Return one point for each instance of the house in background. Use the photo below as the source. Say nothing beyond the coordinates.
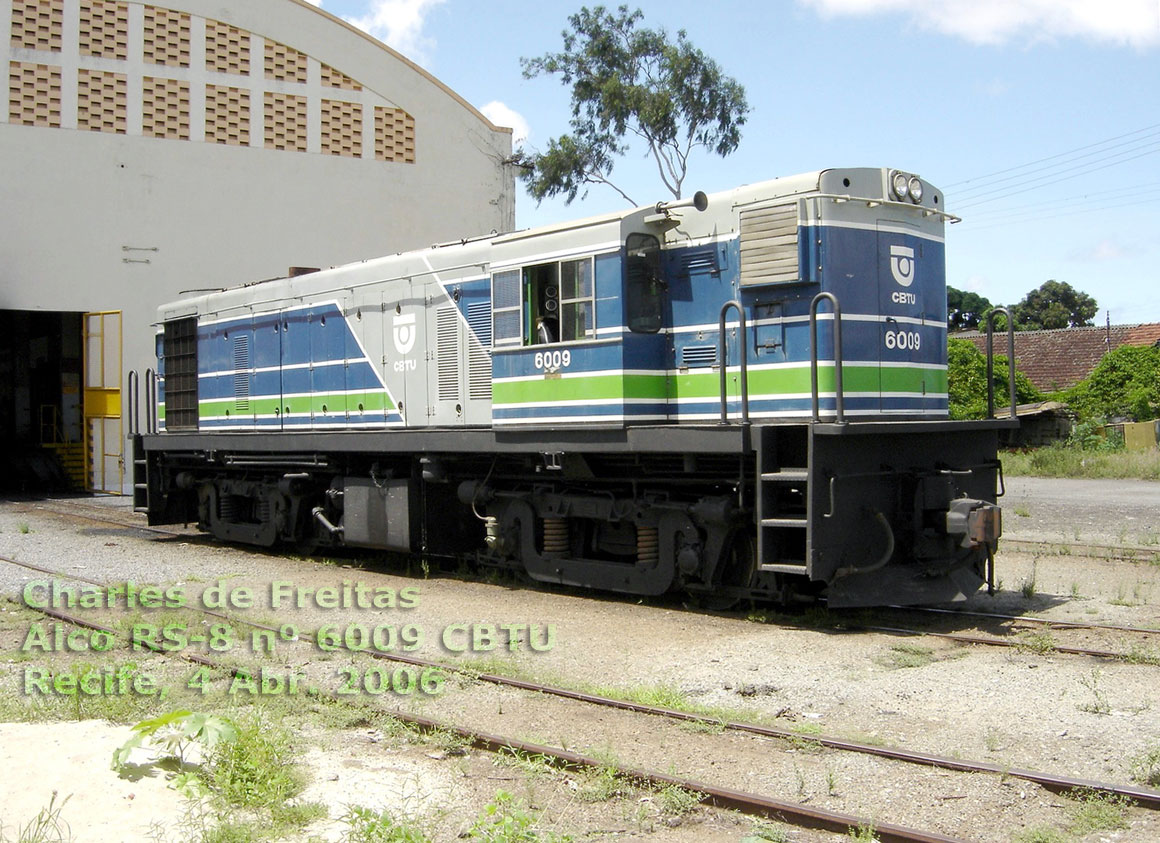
(1061, 358)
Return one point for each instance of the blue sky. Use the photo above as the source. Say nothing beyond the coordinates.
(1039, 119)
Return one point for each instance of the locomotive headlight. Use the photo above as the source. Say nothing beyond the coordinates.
(898, 183)
(915, 187)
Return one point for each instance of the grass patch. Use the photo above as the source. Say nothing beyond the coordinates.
(1070, 461)
(1145, 767)
(1092, 811)
(366, 826)
(1040, 834)
(46, 827)
(506, 819)
(1040, 642)
(903, 656)
(676, 802)
(666, 696)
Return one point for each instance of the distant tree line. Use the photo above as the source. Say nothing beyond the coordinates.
(1054, 304)
(1125, 384)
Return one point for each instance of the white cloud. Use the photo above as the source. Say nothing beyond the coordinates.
(503, 115)
(399, 25)
(1124, 22)
(1105, 250)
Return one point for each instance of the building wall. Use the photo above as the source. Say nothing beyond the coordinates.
(147, 149)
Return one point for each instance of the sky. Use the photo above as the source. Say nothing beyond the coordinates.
(1039, 120)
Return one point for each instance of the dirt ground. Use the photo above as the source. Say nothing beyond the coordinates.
(1022, 708)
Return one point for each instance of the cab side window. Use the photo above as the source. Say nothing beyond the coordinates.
(644, 284)
(544, 303)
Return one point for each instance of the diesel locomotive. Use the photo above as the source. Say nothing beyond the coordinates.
(741, 395)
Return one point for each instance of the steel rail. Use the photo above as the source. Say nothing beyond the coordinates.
(1145, 797)
(963, 638)
(745, 802)
(1128, 553)
(1031, 619)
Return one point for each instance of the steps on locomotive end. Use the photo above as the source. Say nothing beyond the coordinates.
(140, 469)
(770, 522)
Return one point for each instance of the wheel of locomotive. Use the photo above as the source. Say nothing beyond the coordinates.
(737, 570)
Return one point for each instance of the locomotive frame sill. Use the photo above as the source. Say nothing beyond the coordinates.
(855, 428)
(703, 439)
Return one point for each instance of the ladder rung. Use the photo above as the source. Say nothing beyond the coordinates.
(781, 568)
(792, 475)
(784, 522)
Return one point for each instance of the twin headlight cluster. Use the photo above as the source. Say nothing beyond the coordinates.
(905, 186)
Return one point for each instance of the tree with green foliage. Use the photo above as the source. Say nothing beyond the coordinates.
(1125, 384)
(1054, 304)
(967, 381)
(631, 81)
(965, 310)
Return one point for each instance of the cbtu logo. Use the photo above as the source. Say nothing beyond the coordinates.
(902, 264)
(404, 333)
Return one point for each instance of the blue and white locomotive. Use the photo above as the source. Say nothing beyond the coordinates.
(664, 398)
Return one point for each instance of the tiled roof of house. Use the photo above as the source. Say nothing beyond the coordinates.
(1061, 358)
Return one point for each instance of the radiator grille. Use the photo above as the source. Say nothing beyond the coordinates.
(180, 354)
(769, 245)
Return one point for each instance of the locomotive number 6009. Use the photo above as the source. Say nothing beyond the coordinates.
(550, 361)
(905, 340)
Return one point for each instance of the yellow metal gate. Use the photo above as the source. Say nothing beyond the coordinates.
(104, 438)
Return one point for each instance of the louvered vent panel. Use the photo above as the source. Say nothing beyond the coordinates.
(447, 342)
(769, 245)
(699, 260)
(479, 356)
(695, 356)
(242, 373)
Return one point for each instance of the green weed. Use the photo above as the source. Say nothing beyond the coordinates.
(903, 656)
(676, 802)
(1040, 834)
(506, 820)
(1041, 642)
(366, 826)
(1145, 767)
(766, 831)
(601, 785)
(863, 833)
(1092, 810)
(46, 827)
(1100, 704)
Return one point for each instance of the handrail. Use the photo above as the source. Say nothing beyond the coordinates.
(722, 348)
(839, 397)
(132, 402)
(991, 360)
(151, 400)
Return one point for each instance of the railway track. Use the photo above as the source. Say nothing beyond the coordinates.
(1142, 653)
(1144, 797)
(797, 814)
(1123, 553)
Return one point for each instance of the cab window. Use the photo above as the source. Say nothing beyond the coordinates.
(644, 284)
(544, 303)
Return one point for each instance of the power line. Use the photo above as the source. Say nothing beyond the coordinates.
(1069, 213)
(1056, 177)
(1057, 155)
(1099, 197)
